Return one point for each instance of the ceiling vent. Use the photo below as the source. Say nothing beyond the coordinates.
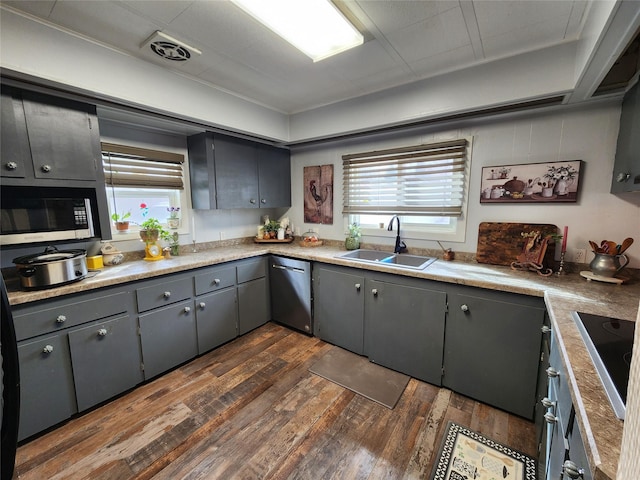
(169, 48)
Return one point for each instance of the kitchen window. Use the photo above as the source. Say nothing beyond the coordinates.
(426, 185)
(143, 183)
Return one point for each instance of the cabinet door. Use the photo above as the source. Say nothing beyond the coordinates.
(492, 350)
(253, 305)
(236, 171)
(339, 308)
(626, 170)
(15, 147)
(47, 393)
(202, 171)
(274, 174)
(216, 319)
(106, 360)
(168, 337)
(404, 329)
(63, 137)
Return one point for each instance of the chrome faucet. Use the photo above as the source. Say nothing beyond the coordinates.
(400, 245)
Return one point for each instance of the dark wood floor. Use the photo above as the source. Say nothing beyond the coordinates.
(252, 410)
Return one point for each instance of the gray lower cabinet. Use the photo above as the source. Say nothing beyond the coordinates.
(216, 318)
(106, 359)
(168, 337)
(404, 328)
(339, 306)
(47, 394)
(254, 303)
(492, 347)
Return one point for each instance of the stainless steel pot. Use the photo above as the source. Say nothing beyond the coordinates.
(51, 268)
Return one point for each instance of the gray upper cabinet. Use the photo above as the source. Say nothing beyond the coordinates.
(626, 170)
(492, 347)
(63, 136)
(228, 172)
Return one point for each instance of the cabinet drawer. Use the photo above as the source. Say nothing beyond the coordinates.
(40, 322)
(252, 270)
(215, 279)
(163, 293)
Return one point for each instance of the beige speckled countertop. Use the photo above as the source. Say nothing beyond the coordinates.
(600, 427)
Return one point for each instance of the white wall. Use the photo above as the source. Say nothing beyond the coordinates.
(587, 133)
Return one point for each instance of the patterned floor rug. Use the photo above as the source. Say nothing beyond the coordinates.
(466, 455)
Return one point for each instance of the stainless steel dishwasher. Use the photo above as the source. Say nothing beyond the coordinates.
(291, 292)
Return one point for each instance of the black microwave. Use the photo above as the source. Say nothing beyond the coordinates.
(35, 215)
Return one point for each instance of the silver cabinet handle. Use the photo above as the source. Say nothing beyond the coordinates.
(375, 292)
(547, 403)
(464, 308)
(11, 165)
(572, 470)
(202, 305)
(550, 418)
(102, 332)
(187, 309)
(358, 286)
(166, 294)
(46, 168)
(552, 372)
(252, 201)
(263, 200)
(47, 349)
(61, 319)
(622, 177)
(546, 329)
(216, 281)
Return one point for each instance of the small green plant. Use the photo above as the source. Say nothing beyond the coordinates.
(354, 230)
(120, 217)
(271, 228)
(151, 224)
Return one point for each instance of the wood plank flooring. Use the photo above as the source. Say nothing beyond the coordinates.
(252, 410)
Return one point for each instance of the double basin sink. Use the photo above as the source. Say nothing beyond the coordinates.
(404, 261)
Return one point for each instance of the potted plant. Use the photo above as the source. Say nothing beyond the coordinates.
(173, 240)
(121, 221)
(271, 229)
(352, 242)
(151, 229)
(174, 219)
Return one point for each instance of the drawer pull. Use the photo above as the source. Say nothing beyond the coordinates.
(12, 165)
(61, 319)
(187, 309)
(202, 305)
(547, 402)
(552, 372)
(550, 418)
(47, 349)
(166, 294)
(572, 470)
(464, 308)
(375, 292)
(546, 329)
(216, 281)
(358, 286)
(102, 332)
(46, 168)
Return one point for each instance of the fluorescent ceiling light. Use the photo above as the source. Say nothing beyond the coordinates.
(315, 27)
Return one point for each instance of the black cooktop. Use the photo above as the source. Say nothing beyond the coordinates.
(609, 342)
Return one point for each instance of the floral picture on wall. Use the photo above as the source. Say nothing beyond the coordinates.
(547, 182)
(318, 194)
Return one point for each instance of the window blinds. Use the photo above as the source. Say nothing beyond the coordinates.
(416, 180)
(126, 166)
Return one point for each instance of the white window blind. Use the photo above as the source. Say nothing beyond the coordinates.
(415, 180)
(140, 167)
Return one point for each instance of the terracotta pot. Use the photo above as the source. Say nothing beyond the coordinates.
(122, 226)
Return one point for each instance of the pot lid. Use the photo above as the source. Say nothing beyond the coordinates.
(50, 254)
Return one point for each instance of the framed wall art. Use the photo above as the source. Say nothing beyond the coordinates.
(318, 194)
(549, 182)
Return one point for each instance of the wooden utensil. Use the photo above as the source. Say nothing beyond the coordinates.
(625, 244)
(594, 247)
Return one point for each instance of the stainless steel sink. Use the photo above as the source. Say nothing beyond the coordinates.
(404, 261)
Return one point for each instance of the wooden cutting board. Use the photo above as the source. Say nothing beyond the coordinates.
(500, 243)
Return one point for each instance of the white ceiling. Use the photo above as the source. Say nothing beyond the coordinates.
(407, 41)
